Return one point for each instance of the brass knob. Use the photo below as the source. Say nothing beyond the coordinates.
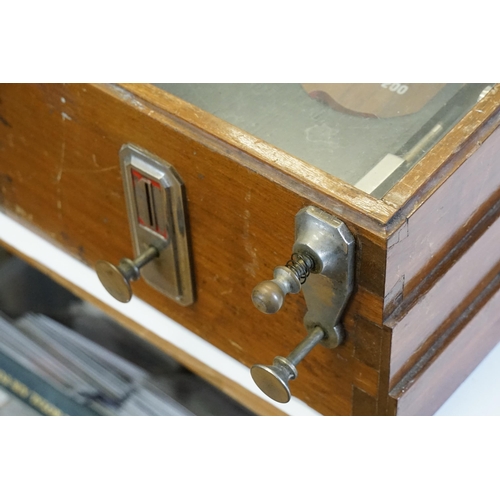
(116, 279)
(273, 379)
(268, 296)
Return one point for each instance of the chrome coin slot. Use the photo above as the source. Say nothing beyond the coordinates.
(151, 203)
(156, 205)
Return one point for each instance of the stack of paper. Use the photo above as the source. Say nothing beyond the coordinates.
(38, 354)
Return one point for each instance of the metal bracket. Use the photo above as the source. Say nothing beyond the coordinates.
(327, 289)
(323, 266)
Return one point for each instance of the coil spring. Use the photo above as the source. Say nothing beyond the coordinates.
(301, 265)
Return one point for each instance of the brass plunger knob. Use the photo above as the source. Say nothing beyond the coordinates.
(268, 296)
(273, 379)
(116, 279)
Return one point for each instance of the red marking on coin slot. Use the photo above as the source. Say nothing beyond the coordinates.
(148, 196)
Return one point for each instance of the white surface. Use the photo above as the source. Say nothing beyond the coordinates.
(480, 392)
(139, 311)
(379, 173)
(4, 397)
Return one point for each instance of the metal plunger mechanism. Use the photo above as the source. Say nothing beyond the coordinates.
(273, 379)
(268, 296)
(322, 265)
(116, 279)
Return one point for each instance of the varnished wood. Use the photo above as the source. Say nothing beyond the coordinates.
(446, 365)
(473, 264)
(443, 221)
(296, 175)
(59, 175)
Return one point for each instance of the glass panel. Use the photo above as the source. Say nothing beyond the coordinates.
(368, 135)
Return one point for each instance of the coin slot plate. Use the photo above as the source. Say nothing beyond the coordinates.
(156, 206)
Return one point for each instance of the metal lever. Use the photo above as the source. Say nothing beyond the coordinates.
(273, 379)
(322, 265)
(116, 279)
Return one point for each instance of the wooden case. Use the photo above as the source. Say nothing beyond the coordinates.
(424, 311)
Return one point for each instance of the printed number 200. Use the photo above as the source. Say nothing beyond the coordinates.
(395, 87)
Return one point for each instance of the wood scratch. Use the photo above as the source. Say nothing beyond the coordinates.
(99, 168)
(59, 202)
(60, 174)
(89, 170)
(20, 211)
(252, 266)
(61, 162)
(235, 345)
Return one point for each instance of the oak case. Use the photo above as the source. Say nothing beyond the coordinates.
(424, 309)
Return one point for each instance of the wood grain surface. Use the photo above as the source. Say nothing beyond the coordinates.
(472, 264)
(59, 175)
(304, 179)
(453, 357)
(427, 235)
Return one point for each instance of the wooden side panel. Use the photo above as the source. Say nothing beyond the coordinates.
(426, 237)
(59, 174)
(445, 299)
(447, 365)
(363, 404)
